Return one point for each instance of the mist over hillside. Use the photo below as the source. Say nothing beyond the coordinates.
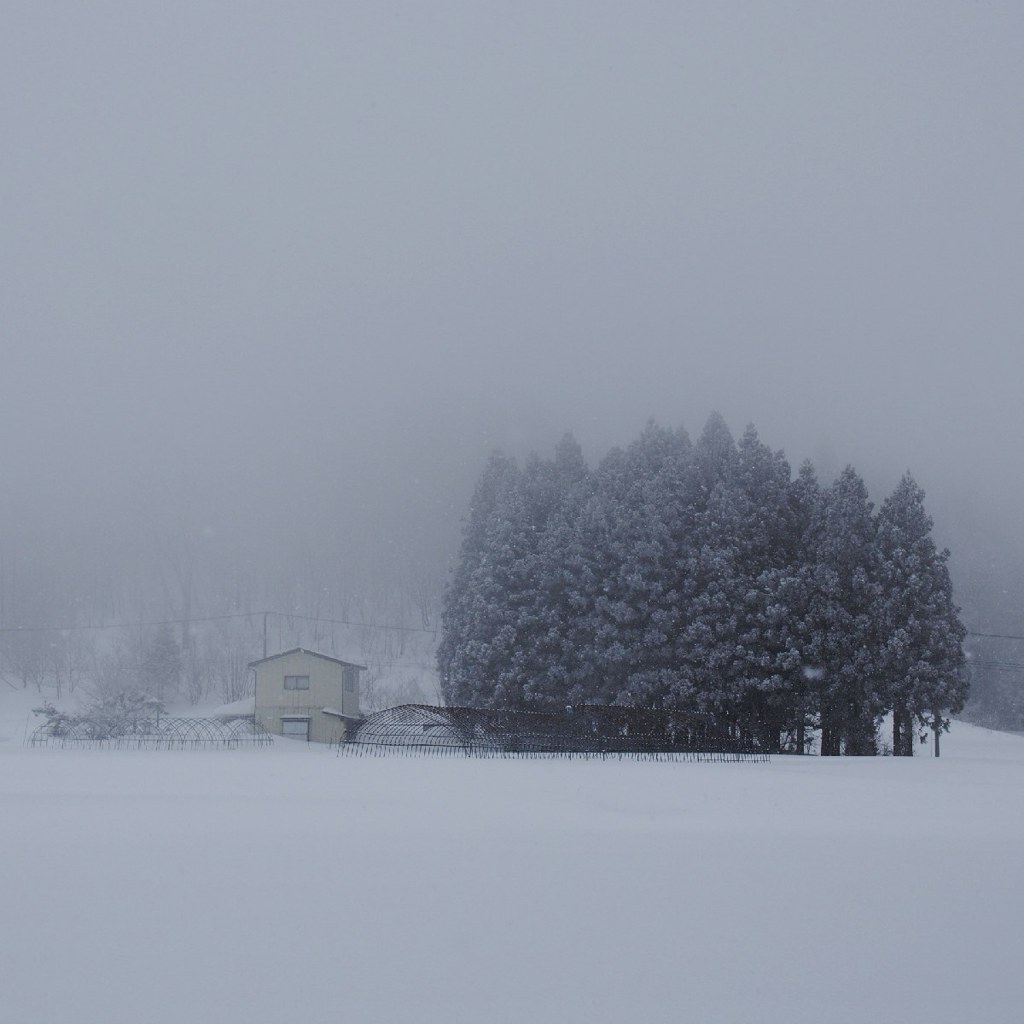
(275, 283)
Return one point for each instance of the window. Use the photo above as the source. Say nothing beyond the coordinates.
(349, 677)
(296, 682)
(297, 728)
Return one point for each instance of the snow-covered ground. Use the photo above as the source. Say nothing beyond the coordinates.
(293, 885)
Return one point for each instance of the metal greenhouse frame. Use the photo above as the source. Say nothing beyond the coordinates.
(166, 734)
(578, 731)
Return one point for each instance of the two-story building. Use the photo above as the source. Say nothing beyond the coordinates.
(306, 695)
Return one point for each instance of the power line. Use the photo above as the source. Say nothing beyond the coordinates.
(306, 618)
(127, 625)
(212, 618)
(347, 622)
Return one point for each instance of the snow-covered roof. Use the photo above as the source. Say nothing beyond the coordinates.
(236, 709)
(302, 650)
(334, 712)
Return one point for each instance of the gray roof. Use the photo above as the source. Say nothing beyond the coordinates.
(335, 713)
(302, 650)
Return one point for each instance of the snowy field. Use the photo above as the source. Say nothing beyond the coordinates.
(293, 885)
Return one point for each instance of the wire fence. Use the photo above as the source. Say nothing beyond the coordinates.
(373, 750)
(165, 734)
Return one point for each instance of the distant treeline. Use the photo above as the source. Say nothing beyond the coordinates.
(704, 577)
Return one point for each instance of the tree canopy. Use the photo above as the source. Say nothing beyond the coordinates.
(704, 576)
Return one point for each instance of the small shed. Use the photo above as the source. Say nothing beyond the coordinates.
(307, 695)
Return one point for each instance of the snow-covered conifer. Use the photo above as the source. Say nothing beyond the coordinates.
(475, 614)
(922, 653)
(846, 609)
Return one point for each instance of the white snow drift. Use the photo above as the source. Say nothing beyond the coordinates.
(289, 884)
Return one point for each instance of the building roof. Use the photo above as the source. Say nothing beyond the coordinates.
(302, 650)
(335, 713)
(243, 708)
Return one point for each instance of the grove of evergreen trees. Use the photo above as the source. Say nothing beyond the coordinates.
(705, 577)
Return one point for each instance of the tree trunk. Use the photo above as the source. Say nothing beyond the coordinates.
(902, 732)
(829, 738)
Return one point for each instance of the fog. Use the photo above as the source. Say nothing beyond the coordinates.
(277, 278)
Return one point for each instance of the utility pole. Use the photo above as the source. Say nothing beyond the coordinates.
(265, 634)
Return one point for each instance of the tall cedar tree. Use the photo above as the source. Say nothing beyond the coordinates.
(794, 629)
(923, 651)
(846, 609)
(763, 658)
(639, 607)
(545, 658)
(711, 569)
(474, 650)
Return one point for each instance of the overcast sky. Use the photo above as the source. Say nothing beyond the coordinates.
(260, 256)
